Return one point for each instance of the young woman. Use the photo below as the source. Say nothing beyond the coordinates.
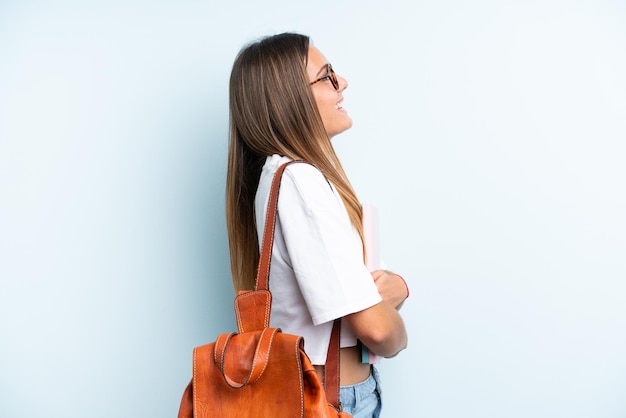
(286, 103)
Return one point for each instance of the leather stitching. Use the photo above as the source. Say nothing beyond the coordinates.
(267, 357)
(298, 342)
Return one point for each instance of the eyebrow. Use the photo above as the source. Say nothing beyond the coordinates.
(325, 67)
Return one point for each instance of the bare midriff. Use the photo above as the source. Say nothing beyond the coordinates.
(352, 371)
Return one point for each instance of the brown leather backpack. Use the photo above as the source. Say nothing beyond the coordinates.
(261, 372)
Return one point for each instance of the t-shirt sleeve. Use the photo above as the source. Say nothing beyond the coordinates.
(324, 248)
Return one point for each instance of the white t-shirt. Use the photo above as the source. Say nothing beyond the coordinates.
(317, 272)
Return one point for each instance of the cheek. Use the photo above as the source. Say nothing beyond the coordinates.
(323, 107)
(329, 117)
(334, 121)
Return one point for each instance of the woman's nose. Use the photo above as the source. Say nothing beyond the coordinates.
(343, 83)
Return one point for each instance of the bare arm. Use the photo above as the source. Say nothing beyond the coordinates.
(381, 327)
(391, 287)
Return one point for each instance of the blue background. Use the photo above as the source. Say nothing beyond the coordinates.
(490, 134)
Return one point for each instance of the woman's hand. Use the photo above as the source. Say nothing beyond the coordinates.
(391, 287)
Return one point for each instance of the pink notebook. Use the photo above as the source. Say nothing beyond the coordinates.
(371, 234)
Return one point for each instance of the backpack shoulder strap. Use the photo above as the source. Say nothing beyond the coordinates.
(331, 369)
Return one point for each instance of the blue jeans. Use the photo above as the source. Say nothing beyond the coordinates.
(363, 400)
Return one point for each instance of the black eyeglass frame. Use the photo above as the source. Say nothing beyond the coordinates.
(330, 76)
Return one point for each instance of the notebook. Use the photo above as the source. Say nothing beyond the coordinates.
(371, 233)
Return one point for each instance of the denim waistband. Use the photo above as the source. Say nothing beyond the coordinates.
(364, 395)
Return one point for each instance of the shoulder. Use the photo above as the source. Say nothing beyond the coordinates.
(302, 186)
(300, 176)
(306, 183)
(303, 173)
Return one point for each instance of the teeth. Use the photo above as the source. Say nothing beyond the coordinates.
(339, 105)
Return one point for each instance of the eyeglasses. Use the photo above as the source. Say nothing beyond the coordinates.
(331, 76)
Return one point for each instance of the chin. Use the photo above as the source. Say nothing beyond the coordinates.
(338, 125)
(338, 131)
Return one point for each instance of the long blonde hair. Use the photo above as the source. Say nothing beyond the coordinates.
(272, 111)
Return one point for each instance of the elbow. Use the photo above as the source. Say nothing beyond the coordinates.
(386, 342)
(380, 328)
(379, 337)
(401, 346)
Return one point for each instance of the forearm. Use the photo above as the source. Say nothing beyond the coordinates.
(381, 329)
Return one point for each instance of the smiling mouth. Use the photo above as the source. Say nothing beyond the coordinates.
(339, 105)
